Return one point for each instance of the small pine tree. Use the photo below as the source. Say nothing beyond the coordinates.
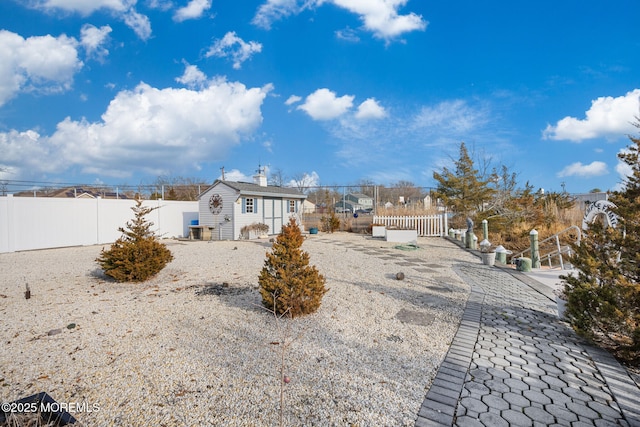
(330, 223)
(603, 300)
(465, 190)
(287, 281)
(137, 255)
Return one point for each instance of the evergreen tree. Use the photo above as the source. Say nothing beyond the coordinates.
(287, 281)
(137, 255)
(464, 190)
(603, 300)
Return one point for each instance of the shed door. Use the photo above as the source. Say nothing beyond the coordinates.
(273, 215)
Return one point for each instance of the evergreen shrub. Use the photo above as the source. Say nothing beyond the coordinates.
(137, 255)
(330, 223)
(287, 282)
(603, 299)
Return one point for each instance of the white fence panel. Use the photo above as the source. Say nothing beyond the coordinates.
(28, 223)
(426, 226)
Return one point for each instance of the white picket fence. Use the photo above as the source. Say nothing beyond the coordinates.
(426, 226)
(28, 223)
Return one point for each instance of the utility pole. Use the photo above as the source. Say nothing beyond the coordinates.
(222, 169)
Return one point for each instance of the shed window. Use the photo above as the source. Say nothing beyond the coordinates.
(292, 206)
(249, 205)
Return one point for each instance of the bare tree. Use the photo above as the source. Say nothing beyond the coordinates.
(366, 187)
(177, 188)
(277, 178)
(408, 190)
(302, 181)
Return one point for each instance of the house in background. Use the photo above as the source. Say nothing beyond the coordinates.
(583, 200)
(74, 192)
(354, 201)
(228, 206)
(308, 207)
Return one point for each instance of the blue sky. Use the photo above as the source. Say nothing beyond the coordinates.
(338, 91)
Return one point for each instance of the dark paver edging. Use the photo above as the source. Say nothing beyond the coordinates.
(438, 407)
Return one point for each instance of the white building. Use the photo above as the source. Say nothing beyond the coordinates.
(228, 206)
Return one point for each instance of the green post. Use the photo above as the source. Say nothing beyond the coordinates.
(469, 243)
(485, 229)
(470, 240)
(535, 252)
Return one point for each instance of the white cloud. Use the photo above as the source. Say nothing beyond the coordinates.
(293, 99)
(139, 23)
(378, 16)
(324, 105)
(24, 151)
(85, 7)
(93, 38)
(236, 175)
(370, 109)
(234, 47)
(43, 64)
(304, 181)
(192, 77)
(163, 5)
(274, 10)
(578, 169)
(348, 34)
(453, 117)
(608, 117)
(193, 10)
(157, 131)
(381, 17)
(124, 9)
(623, 169)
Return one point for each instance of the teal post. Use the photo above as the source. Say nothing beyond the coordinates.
(535, 252)
(485, 229)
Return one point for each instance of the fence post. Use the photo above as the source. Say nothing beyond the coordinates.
(11, 237)
(445, 227)
(535, 253)
(485, 229)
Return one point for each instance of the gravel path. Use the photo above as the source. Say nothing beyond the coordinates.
(193, 346)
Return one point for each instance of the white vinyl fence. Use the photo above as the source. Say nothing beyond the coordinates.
(28, 223)
(426, 226)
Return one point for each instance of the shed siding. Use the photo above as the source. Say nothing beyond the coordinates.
(223, 229)
(243, 218)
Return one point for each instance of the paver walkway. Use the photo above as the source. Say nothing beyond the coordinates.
(514, 363)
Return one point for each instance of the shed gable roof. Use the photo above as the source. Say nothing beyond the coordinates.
(249, 189)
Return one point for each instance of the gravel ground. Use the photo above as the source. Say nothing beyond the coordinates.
(193, 346)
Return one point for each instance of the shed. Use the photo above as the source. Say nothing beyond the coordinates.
(228, 206)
